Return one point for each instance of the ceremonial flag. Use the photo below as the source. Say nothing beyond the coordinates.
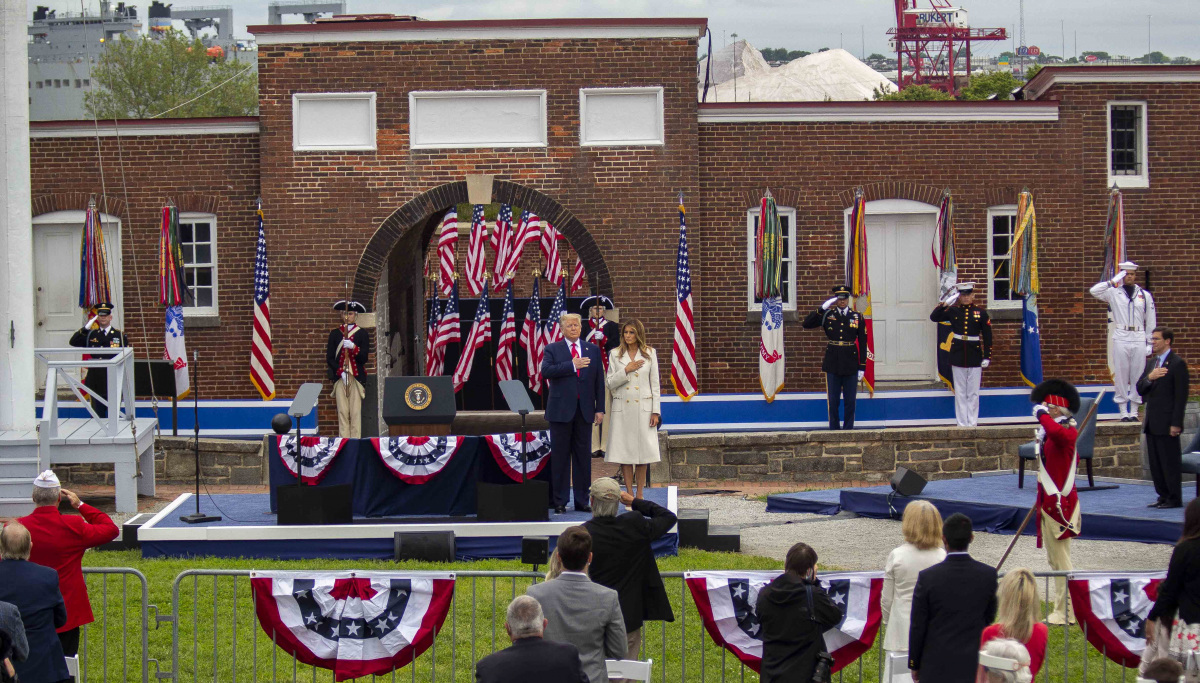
(683, 349)
(433, 365)
(508, 335)
(579, 278)
(355, 624)
(947, 264)
(262, 360)
(1114, 254)
(768, 262)
(529, 228)
(1031, 342)
(549, 243)
(502, 243)
(1023, 271)
(476, 258)
(553, 329)
(93, 261)
(449, 327)
(727, 600)
(447, 242)
(481, 332)
(859, 280)
(172, 290)
(531, 339)
(1112, 609)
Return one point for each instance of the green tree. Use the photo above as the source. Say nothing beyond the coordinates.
(998, 83)
(913, 93)
(1100, 56)
(142, 78)
(1032, 71)
(1181, 60)
(1155, 57)
(875, 56)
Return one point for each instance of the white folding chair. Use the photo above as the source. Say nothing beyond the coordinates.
(629, 668)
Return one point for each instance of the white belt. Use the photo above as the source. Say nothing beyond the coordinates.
(1126, 328)
(965, 337)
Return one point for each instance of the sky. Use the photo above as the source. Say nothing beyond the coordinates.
(1120, 27)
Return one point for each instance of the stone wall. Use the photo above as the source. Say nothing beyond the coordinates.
(222, 462)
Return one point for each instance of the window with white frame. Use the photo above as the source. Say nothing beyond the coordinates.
(1002, 225)
(198, 237)
(1127, 144)
(787, 275)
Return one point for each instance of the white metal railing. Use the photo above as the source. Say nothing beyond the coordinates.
(119, 401)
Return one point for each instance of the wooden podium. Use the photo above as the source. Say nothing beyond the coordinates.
(418, 406)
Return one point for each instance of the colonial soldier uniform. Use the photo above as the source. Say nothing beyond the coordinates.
(970, 349)
(105, 336)
(346, 355)
(605, 334)
(1058, 500)
(845, 360)
(1134, 320)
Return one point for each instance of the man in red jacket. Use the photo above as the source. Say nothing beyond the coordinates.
(1058, 501)
(59, 542)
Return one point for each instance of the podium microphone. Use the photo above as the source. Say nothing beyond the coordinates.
(197, 517)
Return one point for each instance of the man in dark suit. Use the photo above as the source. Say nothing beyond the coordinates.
(1164, 387)
(574, 373)
(33, 589)
(953, 602)
(530, 657)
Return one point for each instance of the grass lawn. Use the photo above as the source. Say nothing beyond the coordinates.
(219, 639)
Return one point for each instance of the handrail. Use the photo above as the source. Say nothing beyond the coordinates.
(119, 394)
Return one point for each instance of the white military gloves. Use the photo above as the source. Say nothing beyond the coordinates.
(986, 362)
(91, 322)
(861, 374)
(1118, 279)
(951, 298)
(832, 300)
(348, 345)
(1039, 409)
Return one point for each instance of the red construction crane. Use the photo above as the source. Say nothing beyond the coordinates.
(930, 40)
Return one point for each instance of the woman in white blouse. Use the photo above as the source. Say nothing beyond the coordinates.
(922, 529)
(635, 416)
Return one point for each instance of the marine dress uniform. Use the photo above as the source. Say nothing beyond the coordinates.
(1134, 320)
(100, 338)
(970, 351)
(846, 354)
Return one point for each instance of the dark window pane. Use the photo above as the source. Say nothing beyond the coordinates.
(203, 253)
(1000, 289)
(1000, 268)
(189, 253)
(189, 277)
(1000, 244)
(185, 233)
(204, 297)
(202, 232)
(204, 277)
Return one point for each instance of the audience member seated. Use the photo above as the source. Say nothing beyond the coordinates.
(33, 589)
(1003, 660)
(553, 566)
(922, 548)
(13, 645)
(1162, 670)
(530, 657)
(794, 613)
(1018, 617)
(584, 614)
(59, 542)
(1178, 605)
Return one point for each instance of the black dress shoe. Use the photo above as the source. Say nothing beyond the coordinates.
(583, 508)
(1156, 504)
(560, 509)
(1170, 505)
(597, 454)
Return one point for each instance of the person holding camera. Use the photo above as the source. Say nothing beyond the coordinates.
(794, 613)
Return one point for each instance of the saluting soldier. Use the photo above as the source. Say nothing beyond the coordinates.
(970, 348)
(104, 336)
(845, 360)
(346, 355)
(1134, 320)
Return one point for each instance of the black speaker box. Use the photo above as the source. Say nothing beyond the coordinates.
(427, 546)
(304, 504)
(525, 502)
(907, 483)
(535, 550)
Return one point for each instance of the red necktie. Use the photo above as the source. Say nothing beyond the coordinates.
(575, 354)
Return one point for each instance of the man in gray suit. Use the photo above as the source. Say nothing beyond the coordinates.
(584, 614)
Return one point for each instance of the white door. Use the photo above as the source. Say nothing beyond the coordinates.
(903, 292)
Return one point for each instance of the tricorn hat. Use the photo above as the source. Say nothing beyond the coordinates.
(1056, 392)
(841, 291)
(352, 306)
(597, 300)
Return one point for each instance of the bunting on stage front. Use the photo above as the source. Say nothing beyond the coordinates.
(416, 459)
(507, 448)
(481, 332)
(476, 271)
(859, 280)
(945, 260)
(727, 600)
(1026, 282)
(309, 460)
(446, 244)
(531, 338)
(684, 376)
(768, 262)
(508, 335)
(1112, 609)
(355, 624)
(262, 358)
(172, 290)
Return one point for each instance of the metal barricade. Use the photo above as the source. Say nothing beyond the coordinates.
(116, 646)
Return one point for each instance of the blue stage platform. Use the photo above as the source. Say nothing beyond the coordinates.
(995, 504)
(248, 529)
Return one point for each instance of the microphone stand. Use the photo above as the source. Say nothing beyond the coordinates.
(197, 517)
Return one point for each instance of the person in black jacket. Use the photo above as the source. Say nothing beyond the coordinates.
(34, 590)
(1164, 386)
(105, 336)
(953, 602)
(1178, 603)
(970, 348)
(623, 559)
(530, 657)
(346, 355)
(794, 613)
(845, 360)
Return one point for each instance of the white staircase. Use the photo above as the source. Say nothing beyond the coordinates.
(18, 467)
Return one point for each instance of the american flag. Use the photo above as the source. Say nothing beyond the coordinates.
(447, 241)
(262, 362)
(502, 243)
(481, 332)
(554, 265)
(683, 352)
(476, 257)
(433, 360)
(508, 335)
(448, 326)
(529, 228)
(531, 338)
(579, 278)
(553, 327)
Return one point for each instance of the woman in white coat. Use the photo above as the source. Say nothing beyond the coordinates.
(635, 416)
(922, 548)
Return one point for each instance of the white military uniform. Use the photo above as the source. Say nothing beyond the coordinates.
(1134, 321)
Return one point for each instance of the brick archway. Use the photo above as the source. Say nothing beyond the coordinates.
(77, 201)
(414, 214)
(926, 194)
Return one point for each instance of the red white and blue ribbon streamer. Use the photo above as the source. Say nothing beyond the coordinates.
(416, 459)
(726, 602)
(1112, 608)
(354, 624)
(506, 449)
(310, 459)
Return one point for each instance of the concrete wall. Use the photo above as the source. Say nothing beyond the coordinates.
(223, 462)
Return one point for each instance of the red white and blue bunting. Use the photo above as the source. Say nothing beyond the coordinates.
(726, 602)
(1112, 610)
(310, 459)
(416, 459)
(506, 449)
(354, 624)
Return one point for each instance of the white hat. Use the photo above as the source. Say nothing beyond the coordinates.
(966, 287)
(47, 480)
(1128, 265)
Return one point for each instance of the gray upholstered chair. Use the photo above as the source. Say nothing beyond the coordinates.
(1191, 460)
(1084, 445)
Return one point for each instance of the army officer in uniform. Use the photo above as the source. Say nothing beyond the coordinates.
(845, 356)
(105, 336)
(970, 348)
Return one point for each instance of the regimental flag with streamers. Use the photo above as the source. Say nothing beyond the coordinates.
(945, 261)
(309, 458)
(507, 449)
(684, 376)
(262, 358)
(1112, 609)
(476, 256)
(549, 246)
(432, 365)
(449, 327)
(416, 459)
(508, 335)
(446, 244)
(531, 338)
(553, 329)
(768, 262)
(1114, 254)
(502, 245)
(172, 292)
(579, 276)
(93, 261)
(355, 624)
(859, 280)
(727, 603)
(481, 333)
(1026, 282)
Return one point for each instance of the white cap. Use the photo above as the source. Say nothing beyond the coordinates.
(966, 286)
(47, 480)
(1128, 265)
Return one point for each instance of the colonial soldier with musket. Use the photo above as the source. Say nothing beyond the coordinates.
(1055, 403)
(845, 360)
(970, 348)
(346, 355)
(606, 335)
(104, 336)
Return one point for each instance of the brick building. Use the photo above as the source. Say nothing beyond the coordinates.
(368, 129)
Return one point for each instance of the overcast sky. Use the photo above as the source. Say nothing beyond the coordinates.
(1117, 26)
